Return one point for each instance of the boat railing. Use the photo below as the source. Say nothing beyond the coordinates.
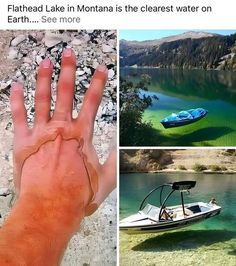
(152, 191)
(182, 186)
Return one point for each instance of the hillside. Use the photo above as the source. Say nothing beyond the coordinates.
(172, 160)
(188, 50)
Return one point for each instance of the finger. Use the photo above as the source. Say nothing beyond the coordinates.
(66, 85)
(43, 92)
(19, 115)
(107, 182)
(93, 97)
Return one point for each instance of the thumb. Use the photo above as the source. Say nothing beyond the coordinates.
(106, 183)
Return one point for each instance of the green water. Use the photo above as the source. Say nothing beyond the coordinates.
(211, 242)
(185, 89)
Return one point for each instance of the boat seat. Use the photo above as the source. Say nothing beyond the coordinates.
(197, 112)
(195, 209)
(184, 114)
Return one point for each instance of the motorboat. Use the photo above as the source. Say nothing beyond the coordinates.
(151, 219)
(183, 118)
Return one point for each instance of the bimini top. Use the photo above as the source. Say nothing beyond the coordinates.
(183, 185)
(180, 186)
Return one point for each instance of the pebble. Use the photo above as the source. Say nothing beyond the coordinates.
(18, 73)
(102, 124)
(39, 59)
(110, 106)
(87, 70)
(86, 38)
(17, 40)
(27, 60)
(104, 110)
(12, 54)
(111, 32)
(111, 73)
(99, 112)
(95, 64)
(76, 42)
(80, 72)
(106, 48)
(4, 191)
(39, 36)
(52, 39)
(112, 43)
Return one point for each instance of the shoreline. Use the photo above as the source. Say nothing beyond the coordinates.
(172, 171)
(177, 68)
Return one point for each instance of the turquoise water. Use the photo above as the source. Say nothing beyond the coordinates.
(186, 89)
(134, 187)
(211, 242)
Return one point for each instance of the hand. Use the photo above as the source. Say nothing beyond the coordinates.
(61, 130)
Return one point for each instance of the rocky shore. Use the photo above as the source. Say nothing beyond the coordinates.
(22, 52)
(182, 160)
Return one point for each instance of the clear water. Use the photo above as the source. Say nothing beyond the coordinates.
(186, 89)
(211, 242)
(134, 187)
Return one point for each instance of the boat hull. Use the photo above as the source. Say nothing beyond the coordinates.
(171, 124)
(183, 122)
(162, 226)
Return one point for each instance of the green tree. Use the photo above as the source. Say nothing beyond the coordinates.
(133, 131)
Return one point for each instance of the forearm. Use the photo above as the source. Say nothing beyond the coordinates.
(37, 232)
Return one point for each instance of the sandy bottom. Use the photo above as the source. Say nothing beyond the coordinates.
(185, 247)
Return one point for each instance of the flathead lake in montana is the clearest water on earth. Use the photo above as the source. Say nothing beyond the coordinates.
(211, 242)
(186, 89)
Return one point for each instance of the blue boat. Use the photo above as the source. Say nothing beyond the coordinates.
(183, 118)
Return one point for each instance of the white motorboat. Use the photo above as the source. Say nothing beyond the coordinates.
(151, 218)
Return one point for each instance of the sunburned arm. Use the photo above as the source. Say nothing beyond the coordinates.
(36, 233)
(50, 207)
(57, 174)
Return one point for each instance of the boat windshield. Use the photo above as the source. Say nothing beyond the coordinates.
(151, 211)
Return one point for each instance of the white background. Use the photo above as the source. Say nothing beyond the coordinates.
(222, 15)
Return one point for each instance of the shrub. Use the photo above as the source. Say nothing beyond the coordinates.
(181, 167)
(199, 167)
(215, 168)
(224, 168)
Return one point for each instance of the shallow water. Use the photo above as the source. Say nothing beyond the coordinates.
(211, 242)
(186, 89)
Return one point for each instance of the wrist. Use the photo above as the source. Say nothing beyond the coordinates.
(53, 211)
(38, 230)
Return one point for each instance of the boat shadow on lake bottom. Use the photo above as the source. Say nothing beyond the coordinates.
(187, 240)
(194, 138)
